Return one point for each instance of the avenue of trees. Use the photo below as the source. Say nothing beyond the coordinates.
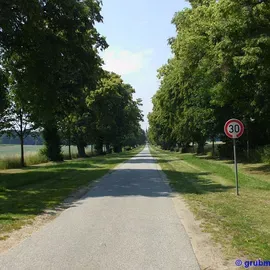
(52, 81)
(220, 69)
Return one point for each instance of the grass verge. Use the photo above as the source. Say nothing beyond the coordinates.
(241, 224)
(28, 192)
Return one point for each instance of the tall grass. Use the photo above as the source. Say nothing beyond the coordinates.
(9, 161)
(14, 162)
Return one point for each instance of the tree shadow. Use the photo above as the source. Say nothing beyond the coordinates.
(194, 183)
(149, 183)
(32, 192)
(260, 169)
(65, 165)
(147, 160)
(240, 160)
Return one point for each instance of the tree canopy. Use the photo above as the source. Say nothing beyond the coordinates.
(50, 61)
(219, 70)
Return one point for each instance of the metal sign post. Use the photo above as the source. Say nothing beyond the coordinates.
(235, 167)
(234, 129)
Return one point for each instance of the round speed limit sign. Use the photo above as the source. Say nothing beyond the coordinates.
(234, 128)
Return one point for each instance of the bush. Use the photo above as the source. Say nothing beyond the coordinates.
(91, 154)
(185, 149)
(262, 154)
(43, 151)
(110, 151)
(66, 155)
(225, 150)
(266, 154)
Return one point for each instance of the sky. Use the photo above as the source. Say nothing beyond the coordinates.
(137, 33)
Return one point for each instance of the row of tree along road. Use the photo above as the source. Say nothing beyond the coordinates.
(51, 78)
(220, 69)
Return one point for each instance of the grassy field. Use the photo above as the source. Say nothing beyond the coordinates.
(240, 223)
(7, 150)
(10, 155)
(25, 193)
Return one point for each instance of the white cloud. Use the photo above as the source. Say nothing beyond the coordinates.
(125, 62)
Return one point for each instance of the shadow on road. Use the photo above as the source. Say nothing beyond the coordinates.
(33, 191)
(146, 160)
(148, 183)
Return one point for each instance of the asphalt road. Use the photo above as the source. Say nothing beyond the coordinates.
(127, 221)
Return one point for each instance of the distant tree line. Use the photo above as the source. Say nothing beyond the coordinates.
(32, 139)
(220, 69)
(51, 79)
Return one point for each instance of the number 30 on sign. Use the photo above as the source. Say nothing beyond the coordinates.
(234, 128)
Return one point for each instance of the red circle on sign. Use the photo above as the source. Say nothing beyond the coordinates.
(234, 135)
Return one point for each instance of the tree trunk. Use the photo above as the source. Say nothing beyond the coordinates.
(69, 144)
(108, 149)
(248, 155)
(52, 142)
(69, 151)
(213, 147)
(117, 148)
(22, 151)
(81, 150)
(200, 149)
(185, 148)
(247, 143)
(99, 146)
(21, 136)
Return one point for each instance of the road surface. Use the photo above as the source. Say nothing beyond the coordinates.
(127, 221)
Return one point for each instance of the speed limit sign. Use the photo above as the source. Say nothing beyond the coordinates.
(234, 128)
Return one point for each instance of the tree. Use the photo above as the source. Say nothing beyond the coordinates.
(51, 49)
(219, 70)
(116, 114)
(3, 94)
(16, 122)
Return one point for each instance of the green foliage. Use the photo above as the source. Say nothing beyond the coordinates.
(52, 58)
(266, 154)
(52, 144)
(3, 94)
(219, 70)
(261, 154)
(116, 115)
(50, 63)
(16, 123)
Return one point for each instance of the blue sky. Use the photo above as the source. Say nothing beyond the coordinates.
(137, 32)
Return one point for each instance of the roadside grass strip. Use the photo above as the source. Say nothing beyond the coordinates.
(241, 224)
(26, 193)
